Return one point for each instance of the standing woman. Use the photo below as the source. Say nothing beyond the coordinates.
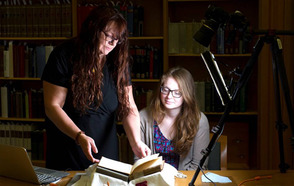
(173, 125)
(87, 86)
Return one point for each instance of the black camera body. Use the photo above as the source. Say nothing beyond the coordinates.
(216, 17)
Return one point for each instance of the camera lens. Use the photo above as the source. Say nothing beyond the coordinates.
(206, 32)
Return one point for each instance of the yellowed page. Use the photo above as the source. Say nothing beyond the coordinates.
(144, 160)
(115, 165)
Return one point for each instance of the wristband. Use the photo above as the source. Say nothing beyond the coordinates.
(77, 137)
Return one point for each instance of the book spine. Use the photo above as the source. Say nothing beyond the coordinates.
(46, 20)
(4, 102)
(40, 60)
(200, 94)
(6, 63)
(2, 133)
(10, 52)
(29, 20)
(22, 9)
(173, 38)
(66, 19)
(58, 17)
(2, 48)
(3, 20)
(130, 19)
(83, 12)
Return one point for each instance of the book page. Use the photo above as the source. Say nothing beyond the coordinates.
(115, 165)
(153, 165)
(144, 160)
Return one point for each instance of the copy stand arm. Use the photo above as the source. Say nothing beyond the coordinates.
(218, 129)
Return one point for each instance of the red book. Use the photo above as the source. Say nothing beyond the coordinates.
(83, 12)
(21, 52)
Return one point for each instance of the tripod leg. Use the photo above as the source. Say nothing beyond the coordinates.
(279, 69)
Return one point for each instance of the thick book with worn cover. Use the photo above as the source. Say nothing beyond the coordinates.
(126, 172)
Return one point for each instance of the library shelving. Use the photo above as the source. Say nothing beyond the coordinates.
(150, 36)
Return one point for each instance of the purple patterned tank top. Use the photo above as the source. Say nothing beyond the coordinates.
(165, 147)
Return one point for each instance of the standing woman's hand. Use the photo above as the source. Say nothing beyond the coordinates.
(88, 145)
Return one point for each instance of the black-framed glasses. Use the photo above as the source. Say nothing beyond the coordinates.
(174, 93)
(111, 39)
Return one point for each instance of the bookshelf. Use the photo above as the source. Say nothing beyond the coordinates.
(26, 28)
(151, 35)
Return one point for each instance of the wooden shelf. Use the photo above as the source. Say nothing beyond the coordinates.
(146, 38)
(146, 80)
(39, 79)
(195, 0)
(35, 38)
(23, 119)
(216, 55)
(233, 113)
(19, 79)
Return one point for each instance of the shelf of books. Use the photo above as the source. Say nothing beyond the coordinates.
(29, 31)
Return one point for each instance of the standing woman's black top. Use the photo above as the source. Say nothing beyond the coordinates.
(62, 151)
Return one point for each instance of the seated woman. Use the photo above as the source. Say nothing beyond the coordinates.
(173, 125)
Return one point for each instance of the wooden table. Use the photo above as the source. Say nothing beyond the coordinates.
(237, 176)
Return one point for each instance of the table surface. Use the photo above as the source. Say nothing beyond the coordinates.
(237, 176)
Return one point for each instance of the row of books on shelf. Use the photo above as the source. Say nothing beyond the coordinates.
(50, 18)
(147, 62)
(28, 135)
(19, 59)
(230, 41)
(32, 136)
(19, 103)
(133, 13)
(181, 40)
(209, 100)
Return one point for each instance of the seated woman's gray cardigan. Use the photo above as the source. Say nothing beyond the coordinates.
(201, 140)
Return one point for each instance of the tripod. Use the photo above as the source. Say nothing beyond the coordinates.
(279, 73)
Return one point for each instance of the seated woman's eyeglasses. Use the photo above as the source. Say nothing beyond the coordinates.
(111, 39)
(174, 93)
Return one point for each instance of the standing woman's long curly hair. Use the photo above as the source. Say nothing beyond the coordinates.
(87, 64)
(187, 122)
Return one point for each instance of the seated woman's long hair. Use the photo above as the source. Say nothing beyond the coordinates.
(187, 122)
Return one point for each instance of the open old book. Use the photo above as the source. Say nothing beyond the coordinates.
(126, 172)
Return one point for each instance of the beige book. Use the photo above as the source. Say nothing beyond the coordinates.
(145, 166)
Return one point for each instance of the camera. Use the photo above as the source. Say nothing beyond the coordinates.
(216, 17)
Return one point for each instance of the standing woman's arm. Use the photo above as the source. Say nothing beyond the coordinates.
(54, 99)
(131, 125)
